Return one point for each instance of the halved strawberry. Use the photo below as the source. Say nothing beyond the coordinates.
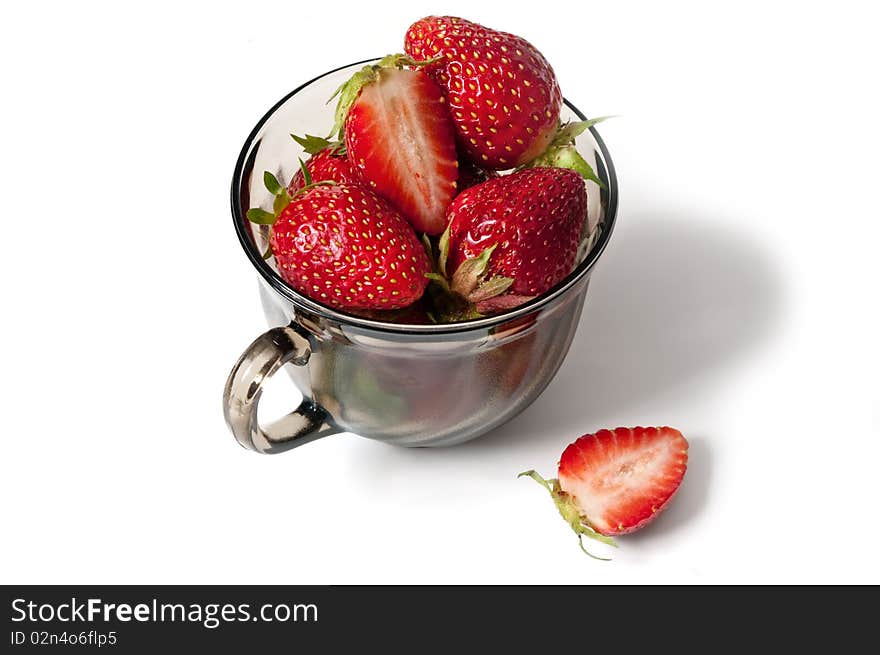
(400, 138)
(617, 481)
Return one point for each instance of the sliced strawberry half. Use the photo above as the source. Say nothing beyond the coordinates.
(622, 478)
(617, 481)
(400, 138)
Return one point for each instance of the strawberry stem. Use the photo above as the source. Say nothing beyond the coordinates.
(571, 513)
(534, 475)
(583, 548)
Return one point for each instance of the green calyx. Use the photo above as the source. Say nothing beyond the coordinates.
(567, 157)
(468, 277)
(444, 251)
(260, 216)
(312, 144)
(562, 153)
(466, 295)
(570, 131)
(282, 199)
(348, 91)
(282, 196)
(571, 513)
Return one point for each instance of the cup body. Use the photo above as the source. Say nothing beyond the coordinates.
(430, 389)
(411, 385)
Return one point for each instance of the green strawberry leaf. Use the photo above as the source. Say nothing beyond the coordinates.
(570, 131)
(307, 176)
(347, 92)
(444, 250)
(312, 144)
(272, 183)
(268, 253)
(260, 216)
(429, 249)
(440, 280)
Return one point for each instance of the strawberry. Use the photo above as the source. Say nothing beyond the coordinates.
(504, 96)
(532, 221)
(419, 313)
(617, 481)
(342, 245)
(327, 162)
(400, 138)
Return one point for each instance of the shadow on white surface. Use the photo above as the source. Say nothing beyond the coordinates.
(673, 301)
(690, 500)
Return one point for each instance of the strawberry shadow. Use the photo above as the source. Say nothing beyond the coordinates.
(690, 499)
(674, 304)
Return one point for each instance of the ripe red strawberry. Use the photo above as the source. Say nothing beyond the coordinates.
(401, 140)
(419, 313)
(533, 218)
(343, 246)
(617, 481)
(326, 164)
(621, 479)
(504, 96)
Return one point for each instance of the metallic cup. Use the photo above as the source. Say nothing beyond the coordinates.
(409, 385)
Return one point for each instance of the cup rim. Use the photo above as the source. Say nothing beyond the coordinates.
(303, 302)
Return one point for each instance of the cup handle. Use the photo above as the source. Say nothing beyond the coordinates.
(241, 397)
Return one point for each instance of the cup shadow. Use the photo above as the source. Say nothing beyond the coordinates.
(673, 301)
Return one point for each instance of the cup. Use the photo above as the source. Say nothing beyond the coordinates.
(408, 385)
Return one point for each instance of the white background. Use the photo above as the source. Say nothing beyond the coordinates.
(736, 301)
